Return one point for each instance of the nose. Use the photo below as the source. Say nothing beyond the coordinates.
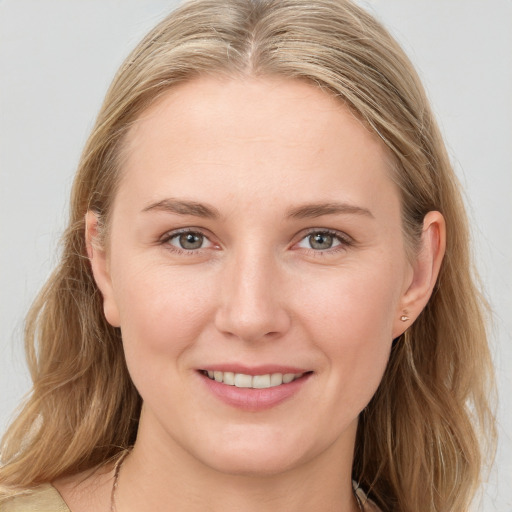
(253, 299)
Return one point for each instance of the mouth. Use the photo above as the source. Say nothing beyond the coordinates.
(242, 380)
(254, 389)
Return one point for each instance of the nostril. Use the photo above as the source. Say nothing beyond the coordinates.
(252, 324)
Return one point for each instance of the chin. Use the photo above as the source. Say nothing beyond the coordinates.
(263, 455)
(262, 466)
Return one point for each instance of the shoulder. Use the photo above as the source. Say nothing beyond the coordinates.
(44, 498)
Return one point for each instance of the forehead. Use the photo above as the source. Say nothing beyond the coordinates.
(262, 136)
(248, 106)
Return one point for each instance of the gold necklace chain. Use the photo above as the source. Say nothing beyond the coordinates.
(117, 469)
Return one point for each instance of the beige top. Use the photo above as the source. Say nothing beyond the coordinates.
(43, 499)
(47, 499)
(368, 504)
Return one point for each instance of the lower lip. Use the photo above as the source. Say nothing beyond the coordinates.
(250, 399)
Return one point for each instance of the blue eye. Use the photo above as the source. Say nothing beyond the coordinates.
(321, 241)
(189, 241)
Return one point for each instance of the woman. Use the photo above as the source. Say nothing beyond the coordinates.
(265, 282)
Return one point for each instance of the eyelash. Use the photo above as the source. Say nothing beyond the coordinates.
(344, 241)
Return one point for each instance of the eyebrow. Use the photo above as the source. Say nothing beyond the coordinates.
(311, 210)
(180, 207)
(318, 209)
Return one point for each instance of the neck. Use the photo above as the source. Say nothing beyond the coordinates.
(167, 478)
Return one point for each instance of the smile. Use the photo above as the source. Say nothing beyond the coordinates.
(254, 389)
(242, 380)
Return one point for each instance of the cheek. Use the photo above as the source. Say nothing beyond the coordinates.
(162, 312)
(351, 319)
(359, 304)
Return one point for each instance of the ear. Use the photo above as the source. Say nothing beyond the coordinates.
(425, 271)
(100, 267)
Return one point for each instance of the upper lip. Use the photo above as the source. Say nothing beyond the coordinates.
(253, 370)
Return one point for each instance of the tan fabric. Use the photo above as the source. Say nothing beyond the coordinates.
(43, 499)
(368, 504)
(47, 499)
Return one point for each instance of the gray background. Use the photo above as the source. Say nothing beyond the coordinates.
(57, 58)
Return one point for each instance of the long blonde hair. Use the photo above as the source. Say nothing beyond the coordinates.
(419, 443)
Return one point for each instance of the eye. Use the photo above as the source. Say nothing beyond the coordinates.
(188, 240)
(322, 241)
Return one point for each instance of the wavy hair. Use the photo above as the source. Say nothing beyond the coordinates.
(421, 440)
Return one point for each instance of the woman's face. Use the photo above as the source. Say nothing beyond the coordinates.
(256, 234)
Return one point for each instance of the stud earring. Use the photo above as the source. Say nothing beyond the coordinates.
(404, 317)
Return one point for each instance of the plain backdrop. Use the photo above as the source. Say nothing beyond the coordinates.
(57, 58)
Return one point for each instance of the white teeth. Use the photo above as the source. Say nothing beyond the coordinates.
(241, 380)
(276, 379)
(288, 377)
(229, 378)
(261, 381)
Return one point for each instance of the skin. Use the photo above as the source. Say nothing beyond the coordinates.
(258, 153)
